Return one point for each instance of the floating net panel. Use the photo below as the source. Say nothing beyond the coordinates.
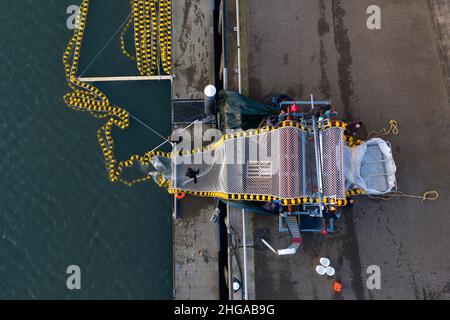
(280, 163)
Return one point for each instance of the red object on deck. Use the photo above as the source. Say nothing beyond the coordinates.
(297, 240)
(294, 108)
(181, 195)
(337, 287)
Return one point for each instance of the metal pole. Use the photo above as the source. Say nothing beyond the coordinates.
(238, 30)
(224, 44)
(318, 157)
(244, 239)
(304, 139)
(124, 78)
(230, 252)
(174, 179)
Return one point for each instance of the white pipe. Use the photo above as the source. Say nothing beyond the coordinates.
(174, 179)
(224, 45)
(124, 78)
(244, 235)
(230, 263)
(269, 246)
(317, 150)
(238, 30)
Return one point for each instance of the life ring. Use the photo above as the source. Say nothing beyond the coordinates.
(180, 195)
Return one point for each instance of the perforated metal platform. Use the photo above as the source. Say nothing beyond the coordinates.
(281, 163)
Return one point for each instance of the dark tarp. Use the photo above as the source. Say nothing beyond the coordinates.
(255, 207)
(239, 112)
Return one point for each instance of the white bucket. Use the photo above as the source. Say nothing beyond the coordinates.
(330, 271)
(325, 262)
(321, 270)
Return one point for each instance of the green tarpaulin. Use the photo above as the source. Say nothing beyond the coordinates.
(239, 112)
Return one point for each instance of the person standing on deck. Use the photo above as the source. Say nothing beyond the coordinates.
(191, 173)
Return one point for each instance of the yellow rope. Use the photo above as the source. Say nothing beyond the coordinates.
(122, 39)
(429, 195)
(393, 128)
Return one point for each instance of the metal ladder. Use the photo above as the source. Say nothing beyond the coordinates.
(294, 228)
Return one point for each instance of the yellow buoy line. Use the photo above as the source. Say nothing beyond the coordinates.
(87, 98)
(152, 20)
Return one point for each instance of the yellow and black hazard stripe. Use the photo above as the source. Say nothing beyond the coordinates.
(331, 124)
(263, 198)
(352, 142)
(355, 192)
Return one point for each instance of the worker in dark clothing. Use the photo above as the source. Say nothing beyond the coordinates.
(271, 206)
(191, 173)
(279, 99)
(326, 112)
(350, 202)
(331, 213)
(353, 127)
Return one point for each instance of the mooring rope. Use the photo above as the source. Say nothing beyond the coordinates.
(426, 196)
(393, 129)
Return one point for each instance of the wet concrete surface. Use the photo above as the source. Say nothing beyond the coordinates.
(196, 262)
(196, 265)
(193, 48)
(324, 47)
(237, 253)
(441, 14)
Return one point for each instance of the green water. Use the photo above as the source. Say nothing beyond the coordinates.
(57, 206)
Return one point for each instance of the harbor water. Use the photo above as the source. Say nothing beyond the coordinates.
(57, 206)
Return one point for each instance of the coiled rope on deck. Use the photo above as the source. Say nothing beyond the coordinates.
(393, 129)
(426, 196)
(86, 97)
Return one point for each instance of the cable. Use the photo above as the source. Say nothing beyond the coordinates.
(104, 47)
(393, 128)
(427, 196)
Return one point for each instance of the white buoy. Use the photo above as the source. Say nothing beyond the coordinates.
(210, 97)
(330, 271)
(324, 261)
(210, 91)
(321, 270)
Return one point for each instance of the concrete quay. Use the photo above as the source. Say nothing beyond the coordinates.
(196, 273)
(398, 72)
(324, 47)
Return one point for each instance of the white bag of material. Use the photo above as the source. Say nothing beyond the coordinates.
(370, 167)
